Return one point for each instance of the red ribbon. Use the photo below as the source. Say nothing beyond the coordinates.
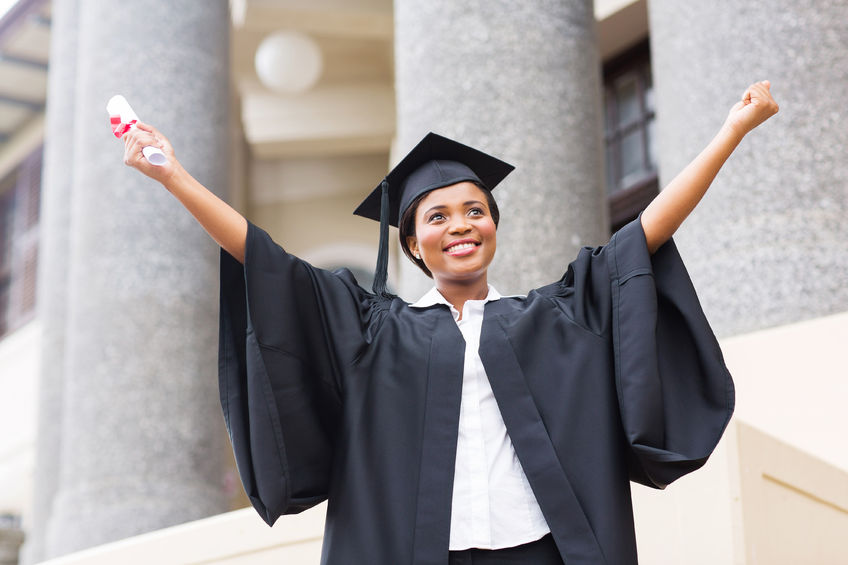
(119, 128)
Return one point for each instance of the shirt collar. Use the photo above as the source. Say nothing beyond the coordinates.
(433, 296)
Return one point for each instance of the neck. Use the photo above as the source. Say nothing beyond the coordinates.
(457, 292)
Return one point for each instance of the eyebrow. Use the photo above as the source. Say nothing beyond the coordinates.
(443, 206)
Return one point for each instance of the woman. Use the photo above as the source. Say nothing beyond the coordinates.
(467, 427)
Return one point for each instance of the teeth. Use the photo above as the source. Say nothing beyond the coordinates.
(459, 247)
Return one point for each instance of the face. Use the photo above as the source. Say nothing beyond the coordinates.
(455, 233)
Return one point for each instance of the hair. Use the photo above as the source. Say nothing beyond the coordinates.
(406, 227)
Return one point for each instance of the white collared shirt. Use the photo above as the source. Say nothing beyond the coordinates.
(493, 506)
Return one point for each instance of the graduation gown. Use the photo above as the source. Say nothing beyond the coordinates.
(609, 374)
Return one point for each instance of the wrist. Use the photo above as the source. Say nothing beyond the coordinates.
(732, 132)
(175, 178)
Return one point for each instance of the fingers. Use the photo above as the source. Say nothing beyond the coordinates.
(133, 156)
(134, 142)
(756, 88)
(759, 93)
(152, 135)
(762, 90)
(757, 105)
(147, 127)
(143, 135)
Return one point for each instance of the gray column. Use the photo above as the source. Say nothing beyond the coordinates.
(54, 225)
(520, 80)
(10, 542)
(768, 244)
(141, 423)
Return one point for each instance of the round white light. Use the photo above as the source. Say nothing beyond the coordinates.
(289, 62)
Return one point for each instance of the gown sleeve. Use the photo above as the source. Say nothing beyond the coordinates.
(675, 393)
(287, 332)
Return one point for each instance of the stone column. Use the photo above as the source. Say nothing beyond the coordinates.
(768, 244)
(10, 542)
(520, 80)
(54, 225)
(141, 422)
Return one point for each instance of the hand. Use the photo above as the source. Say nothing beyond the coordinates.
(756, 106)
(141, 136)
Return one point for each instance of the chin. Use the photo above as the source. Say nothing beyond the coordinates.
(463, 275)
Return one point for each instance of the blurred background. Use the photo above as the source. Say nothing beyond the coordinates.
(113, 449)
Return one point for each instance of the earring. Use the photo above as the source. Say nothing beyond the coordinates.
(417, 255)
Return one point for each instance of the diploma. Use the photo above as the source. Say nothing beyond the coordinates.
(122, 119)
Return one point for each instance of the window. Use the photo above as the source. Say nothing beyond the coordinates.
(631, 166)
(20, 193)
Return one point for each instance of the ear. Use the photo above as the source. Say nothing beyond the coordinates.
(412, 244)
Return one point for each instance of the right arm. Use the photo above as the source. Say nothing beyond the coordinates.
(224, 224)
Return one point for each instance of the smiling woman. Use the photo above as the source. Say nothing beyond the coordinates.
(467, 426)
(454, 237)
(407, 225)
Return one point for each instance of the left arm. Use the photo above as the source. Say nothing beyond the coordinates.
(667, 211)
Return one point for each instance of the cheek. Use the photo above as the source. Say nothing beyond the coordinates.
(429, 239)
(489, 231)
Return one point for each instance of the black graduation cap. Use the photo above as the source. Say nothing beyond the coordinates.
(434, 163)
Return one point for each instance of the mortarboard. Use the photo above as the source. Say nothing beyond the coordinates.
(434, 163)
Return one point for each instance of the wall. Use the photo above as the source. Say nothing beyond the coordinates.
(19, 358)
(758, 501)
(792, 381)
(306, 204)
(235, 538)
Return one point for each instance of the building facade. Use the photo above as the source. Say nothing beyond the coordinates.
(107, 371)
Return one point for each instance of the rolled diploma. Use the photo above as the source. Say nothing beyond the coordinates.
(118, 106)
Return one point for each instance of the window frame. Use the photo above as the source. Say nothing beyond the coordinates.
(20, 200)
(626, 202)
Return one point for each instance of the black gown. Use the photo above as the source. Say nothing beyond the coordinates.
(608, 375)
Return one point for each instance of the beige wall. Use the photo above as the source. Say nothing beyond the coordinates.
(774, 496)
(758, 501)
(19, 362)
(306, 226)
(794, 507)
(691, 521)
(306, 204)
(235, 538)
(792, 382)
(620, 25)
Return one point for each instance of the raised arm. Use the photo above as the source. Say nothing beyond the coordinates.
(226, 226)
(676, 201)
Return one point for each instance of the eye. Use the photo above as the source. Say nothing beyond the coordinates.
(476, 212)
(437, 217)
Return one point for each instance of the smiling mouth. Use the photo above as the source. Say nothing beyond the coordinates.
(461, 247)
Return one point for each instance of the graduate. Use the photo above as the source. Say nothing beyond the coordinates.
(467, 427)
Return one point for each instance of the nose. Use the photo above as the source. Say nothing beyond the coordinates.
(460, 226)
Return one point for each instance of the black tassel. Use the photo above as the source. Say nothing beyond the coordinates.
(381, 273)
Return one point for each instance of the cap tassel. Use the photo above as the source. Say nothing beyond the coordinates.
(381, 273)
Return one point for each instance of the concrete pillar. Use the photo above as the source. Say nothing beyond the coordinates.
(53, 251)
(520, 80)
(768, 244)
(141, 422)
(10, 542)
